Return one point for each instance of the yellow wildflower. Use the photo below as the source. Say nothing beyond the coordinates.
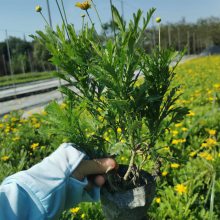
(37, 125)
(204, 145)
(216, 86)
(206, 156)
(175, 141)
(184, 129)
(192, 154)
(83, 216)
(7, 129)
(178, 125)
(158, 200)
(191, 113)
(119, 130)
(180, 188)
(175, 133)
(6, 116)
(1, 125)
(174, 165)
(183, 140)
(74, 210)
(16, 138)
(164, 173)
(123, 141)
(5, 158)
(63, 105)
(212, 132)
(84, 5)
(34, 146)
(167, 148)
(13, 119)
(209, 143)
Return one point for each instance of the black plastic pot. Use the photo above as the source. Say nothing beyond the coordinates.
(129, 204)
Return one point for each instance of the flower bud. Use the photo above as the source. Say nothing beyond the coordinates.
(158, 19)
(38, 8)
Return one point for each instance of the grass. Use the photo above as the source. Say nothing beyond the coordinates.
(24, 78)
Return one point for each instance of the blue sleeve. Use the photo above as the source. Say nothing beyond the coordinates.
(46, 189)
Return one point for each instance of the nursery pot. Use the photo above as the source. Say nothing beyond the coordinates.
(129, 204)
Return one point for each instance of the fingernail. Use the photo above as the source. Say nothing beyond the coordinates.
(109, 168)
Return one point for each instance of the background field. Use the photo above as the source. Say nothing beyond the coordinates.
(189, 187)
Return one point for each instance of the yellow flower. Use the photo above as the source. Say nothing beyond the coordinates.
(174, 165)
(209, 143)
(37, 125)
(212, 132)
(216, 86)
(184, 129)
(84, 5)
(63, 105)
(13, 119)
(164, 173)
(175, 141)
(178, 125)
(16, 138)
(119, 130)
(7, 129)
(107, 138)
(83, 216)
(204, 145)
(206, 156)
(192, 154)
(34, 146)
(38, 8)
(6, 116)
(123, 141)
(180, 188)
(183, 140)
(191, 113)
(74, 210)
(158, 19)
(158, 200)
(175, 132)
(5, 158)
(1, 125)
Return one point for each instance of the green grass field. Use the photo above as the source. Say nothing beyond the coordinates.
(24, 78)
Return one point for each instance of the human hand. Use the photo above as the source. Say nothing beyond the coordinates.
(94, 168)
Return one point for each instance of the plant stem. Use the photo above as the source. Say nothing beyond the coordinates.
(131, 164)
(44, 19)
(89, 17)
(159, 39)
(64, 11)
(62, 19)
(98, 16)
(113, 19)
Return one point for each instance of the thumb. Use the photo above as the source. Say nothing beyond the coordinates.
(95, 166)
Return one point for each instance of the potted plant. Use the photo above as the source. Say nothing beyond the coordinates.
(121, 100)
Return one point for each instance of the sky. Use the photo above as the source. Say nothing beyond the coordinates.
(19, 18)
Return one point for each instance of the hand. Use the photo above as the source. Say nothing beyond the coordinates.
(95, 168)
